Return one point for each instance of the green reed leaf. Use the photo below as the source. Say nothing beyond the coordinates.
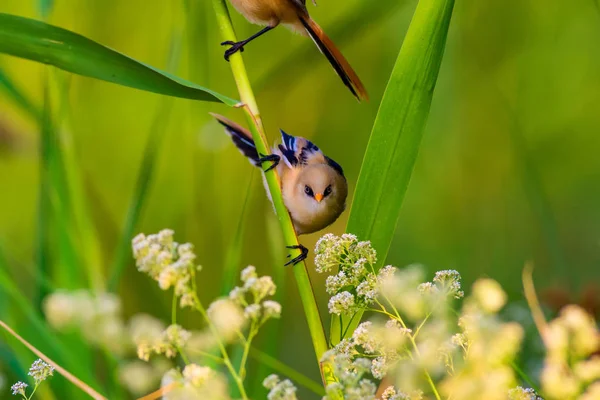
(396, 136)
(48, 44)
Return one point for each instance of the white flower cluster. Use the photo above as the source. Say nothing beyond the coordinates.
(251, 296)
(169, 263)
(39, 371)
(195, 383)
(448, 281)
(278, 389)
(373, 349)
(96, 316)
(19, 389)
(354, 283)
(571, 370)
(170, 341)
(98, 319)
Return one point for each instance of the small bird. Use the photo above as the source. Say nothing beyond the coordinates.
(314, 187)
(293, 14)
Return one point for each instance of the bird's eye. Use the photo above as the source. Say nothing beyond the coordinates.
(308, 191)
(327, 191)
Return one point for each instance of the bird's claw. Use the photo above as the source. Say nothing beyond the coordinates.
(235, 47)
(274, 158)
(303, 255)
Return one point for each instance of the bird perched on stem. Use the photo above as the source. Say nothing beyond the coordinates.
(313, 186)
(293, 14)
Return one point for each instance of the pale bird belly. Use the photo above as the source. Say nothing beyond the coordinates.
(267, 12)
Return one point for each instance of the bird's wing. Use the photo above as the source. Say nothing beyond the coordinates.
(241, 137)
(299, 151)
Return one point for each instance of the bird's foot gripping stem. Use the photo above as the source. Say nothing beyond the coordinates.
(235, 47)
(274, 158)
(303, 255)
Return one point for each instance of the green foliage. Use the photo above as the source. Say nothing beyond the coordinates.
(34, 40)
(396, 136)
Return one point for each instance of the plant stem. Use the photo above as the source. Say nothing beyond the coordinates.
(255, 125)
(242, 369)
(174, 322)
(226, 360)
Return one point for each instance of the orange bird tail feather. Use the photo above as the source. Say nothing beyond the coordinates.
(335, 58)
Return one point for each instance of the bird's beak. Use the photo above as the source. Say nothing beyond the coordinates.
(318, 197)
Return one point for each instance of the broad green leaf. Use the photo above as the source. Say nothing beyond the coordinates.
(37, 41)
(396, 136)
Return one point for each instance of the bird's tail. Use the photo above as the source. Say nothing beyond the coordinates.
(335, 57)
(241, 137)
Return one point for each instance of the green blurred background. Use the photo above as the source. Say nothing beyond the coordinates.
(508, 171)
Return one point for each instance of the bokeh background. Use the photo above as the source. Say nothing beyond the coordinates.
(508, 170)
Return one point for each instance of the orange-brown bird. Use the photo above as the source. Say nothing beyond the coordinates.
(294, 15)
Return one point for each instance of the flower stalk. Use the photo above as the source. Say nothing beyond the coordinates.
(258, 134)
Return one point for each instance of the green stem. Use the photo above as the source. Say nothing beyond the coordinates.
(253, 332)
(255, 125)
(226, 360)
(31, 395)
(174, 322)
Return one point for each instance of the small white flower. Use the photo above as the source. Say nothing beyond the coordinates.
(19, 388)
(341, 303)
(261, 287)
(177, 336)
(197, 375)
(449, 282)
(40, 370)
(284, 390)
(271, 309)
(427, 288)
(237, 295)
(334, 283)
(248, 273)
(379, 367)
(368, 288)
(252, 311)
(270, 381)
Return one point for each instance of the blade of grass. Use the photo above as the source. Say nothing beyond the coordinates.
(45, 8)
(396, 136)
(234, 250)
(81, 225)
(55, 231)
(18, 97)
(37, 41)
